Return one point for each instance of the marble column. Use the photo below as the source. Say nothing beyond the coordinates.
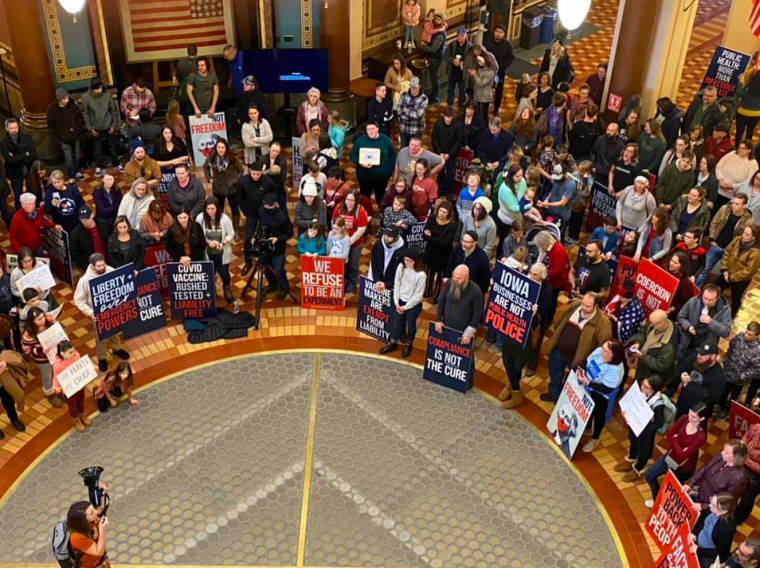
(334, 36)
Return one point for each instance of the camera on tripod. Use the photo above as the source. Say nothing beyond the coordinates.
(97, 496)
(261, 247)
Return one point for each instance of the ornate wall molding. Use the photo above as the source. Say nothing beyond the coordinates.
(307, 24)
(62, 72)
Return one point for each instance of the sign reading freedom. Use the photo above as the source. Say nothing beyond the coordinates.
(602, 205)
(376, 312)
(322, 283)
(510, 304)
(192, 291)
(448, 361)
(114, 300)
(205, 132)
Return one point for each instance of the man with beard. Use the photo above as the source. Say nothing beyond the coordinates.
(387, 254)
(702, 378)
(461, 305)
(469, 254)
(411, 110)
(591, 273)
(746, 555)
(606, 150)
(19, 153)
(83, 301)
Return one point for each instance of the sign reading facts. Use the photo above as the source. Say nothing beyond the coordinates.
(192, 291)
(740, 420)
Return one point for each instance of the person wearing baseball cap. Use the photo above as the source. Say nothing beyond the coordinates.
(702, 378)
(88, 237)
(434, 51)
(412, 107)
(408, 290)
(387, 254)
(455, 54)
(251, 96)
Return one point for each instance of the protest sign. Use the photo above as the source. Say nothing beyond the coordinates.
(167, 175)
(150, 306)
(654, 287)
(448, 361)
(679, 554)
(157, 257)
(297, 162)
(114, 300)
(192, 290)
(56, 244)
(11, 261)
(740, 419)
(414, 236)
(509, 310)
(626, 270)
(464, 158)
(205, 132)
(322, 283)
(50, 338)
(602, 204)
(77, 376)
(725, 71)
(570, 415)
(672, 509)
(40, 277)
(375, 312)
(637, 412)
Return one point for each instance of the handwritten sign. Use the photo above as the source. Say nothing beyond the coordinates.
(205, 132)
(509, 310)
(77, 376)
(376, 312)
(725, 71)
(654, 287)
(56, 244)
(192, 291)
(448, 361)
(672, 509)
(114, 300)
(322, 283)
(40, 277)
(150, 306)
(637, 412)
(50, 338)
(570, 415)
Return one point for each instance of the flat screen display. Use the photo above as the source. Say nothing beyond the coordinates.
(287, 70)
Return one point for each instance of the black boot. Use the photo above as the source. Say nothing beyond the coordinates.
(388, 348)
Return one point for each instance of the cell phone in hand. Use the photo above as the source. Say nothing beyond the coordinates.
(634, 350)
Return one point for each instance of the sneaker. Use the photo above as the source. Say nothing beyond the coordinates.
(98, 172)
(102, 365)
(722, 415)
(649, 503)
(79, 176)
(590, 446)
(121, 354)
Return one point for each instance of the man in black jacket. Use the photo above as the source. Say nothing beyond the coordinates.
(252, 188)
(447, 139)
(607, 150)
(18, 153)
(494, 145)
(387, 254)
(498, 44)
(704, 111)
(251, 96)
(470, 254)
(90, 236)
(380, 109)
(66, 123)
(277, 229)
(455, 54)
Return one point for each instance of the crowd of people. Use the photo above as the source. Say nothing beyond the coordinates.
(687, 198)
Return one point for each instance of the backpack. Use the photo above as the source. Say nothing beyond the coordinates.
(669, 413)
(61, 550)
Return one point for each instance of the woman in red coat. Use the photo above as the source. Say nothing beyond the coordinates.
(27, 223)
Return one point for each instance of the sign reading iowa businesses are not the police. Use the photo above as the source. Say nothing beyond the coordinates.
(448, 361)
(509, 311)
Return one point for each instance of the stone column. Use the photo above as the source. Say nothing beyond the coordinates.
(334, 36)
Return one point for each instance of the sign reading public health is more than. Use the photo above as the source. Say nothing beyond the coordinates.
(725, 71)
(509, 310)
(448, 361)
(205, 132)
(192, 291)
(376, 312)
(322, 283)
(114, 300)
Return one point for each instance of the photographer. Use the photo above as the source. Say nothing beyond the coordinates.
(88, 534)
(276, 229)
(252, 187)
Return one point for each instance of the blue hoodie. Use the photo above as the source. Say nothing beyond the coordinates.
(67, 213)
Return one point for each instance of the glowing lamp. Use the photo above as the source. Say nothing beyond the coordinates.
(573, 12)
(73, 7)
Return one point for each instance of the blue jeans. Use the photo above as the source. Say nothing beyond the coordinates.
(71, 157)
(408, 33)
(657, 470)
(406, 320)
(278, 265)
(557, 366)
(713, 256)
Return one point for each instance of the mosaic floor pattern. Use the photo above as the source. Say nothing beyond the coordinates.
(395, 472)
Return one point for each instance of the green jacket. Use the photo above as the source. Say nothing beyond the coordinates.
(673, 183)
(660, 358)
(651, 151)
(700, 220)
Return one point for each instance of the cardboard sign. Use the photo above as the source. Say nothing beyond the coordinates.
(626, 270)
(637, 412)
(679, 554)
(614, 102)
(114, 300)
(464, 158)
(376, 313)
(601, 205)
(448, 361)
(150, 305)
(570, 415)
(509, 310)
(414, 236)
(740, 420)
(192, 290)
(167, 175)
(297, 162)
(205, 132)
(77, 376)
(40, 277)
(725, 71)
(157, 257)
(50, 338)
(322, 283)
(56, 244)
(11, 261)
(672, 509)
(654, 287)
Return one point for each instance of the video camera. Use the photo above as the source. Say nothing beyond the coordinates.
(97, 496)
(261, 247)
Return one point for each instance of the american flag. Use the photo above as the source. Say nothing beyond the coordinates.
(754, 18)
(159, 25)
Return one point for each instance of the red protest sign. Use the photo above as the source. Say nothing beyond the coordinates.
(464, 158)
(672, 509)
(156, 256)
(626, 270)
(654, 287)
(740, 420)
(322, 283)
(679, 554)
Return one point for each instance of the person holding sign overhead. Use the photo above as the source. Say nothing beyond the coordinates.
(461, 305)
(408, 290)
(65, 357)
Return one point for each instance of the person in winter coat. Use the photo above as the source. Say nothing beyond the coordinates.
(691, 212)
(740, 263)
(480, 221)
(101, 120)
(606, 150)
(455, 55)
(277, 225)
(380, 109)
(557, 63)
(310, 208)
(704, 317)
(446, 139)
(126, 245)
(185, 192)
(677, 179)
(434, 52)
(142, 166)
(727, 224)
(252, 188)
(251, 96)
(63, 201)
(14, 376)
(387, 254)
(107, 197)
(223, 169)
(27, 224)
(685, 437)
(19, 154)
(671, 120)
(703, 110)
(748, 111)
(482, 80)
(752, 472)
(312, 108)
(90, 236)
(494, 145)
(742, 362)
(185, 241)
(134, 205)
(722, 474)
(218, 232)
(470, 254)
(66, 123)
(498, 44)
(713, 533)
(657, 344)
(276, 169)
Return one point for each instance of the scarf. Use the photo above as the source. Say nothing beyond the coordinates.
(655, 337)
(218, 162)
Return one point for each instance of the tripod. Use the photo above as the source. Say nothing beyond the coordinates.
(261, 268)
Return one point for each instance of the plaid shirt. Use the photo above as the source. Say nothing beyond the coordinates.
(132, 102)
(391, 217)
(411, 113)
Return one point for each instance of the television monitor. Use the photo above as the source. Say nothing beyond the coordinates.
(287, 70)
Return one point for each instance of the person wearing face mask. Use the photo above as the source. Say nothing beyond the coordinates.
(185, 192)
(703, 110)
(83, 301)
(62, 201)
(134, 206)
(142, 166)
(27, 224)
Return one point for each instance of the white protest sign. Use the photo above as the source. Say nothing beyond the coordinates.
(76, 376)
(40, 277)
(11, 261)
(50, 338)
(637, 412)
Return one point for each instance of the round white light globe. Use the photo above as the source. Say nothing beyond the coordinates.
(72, 6)
(573, 12)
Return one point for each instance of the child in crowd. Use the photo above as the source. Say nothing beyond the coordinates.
(311, 242)
(115, 388)
(520, 87)
(65, 357)
(608, 235)
(527, 207)
(410, 14)
(546, 156)
(627, 246)
(335, 190)
(514, 240)
(469, 194)
(338, 242)
(428, 27)
(32, 299)
(336, 131)
(517, 260)
(397, 215)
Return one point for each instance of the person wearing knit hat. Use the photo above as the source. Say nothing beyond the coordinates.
(479, 220)
(101, 120)
(65, 122)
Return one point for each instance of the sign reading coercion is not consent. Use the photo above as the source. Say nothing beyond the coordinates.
(448, 361)
(192, 291)
(114, 300)
(509, 311)
(376, 312)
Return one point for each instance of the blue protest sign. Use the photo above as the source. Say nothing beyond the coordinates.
(414, 236)
(150, 306)
(448, 361)
(725, 71)
(167, 175)
(376, 313)
(601, 205)
(114, 300)
(509, 310)
(192, 291)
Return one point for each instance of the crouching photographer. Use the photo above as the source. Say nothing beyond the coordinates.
(275, 227)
